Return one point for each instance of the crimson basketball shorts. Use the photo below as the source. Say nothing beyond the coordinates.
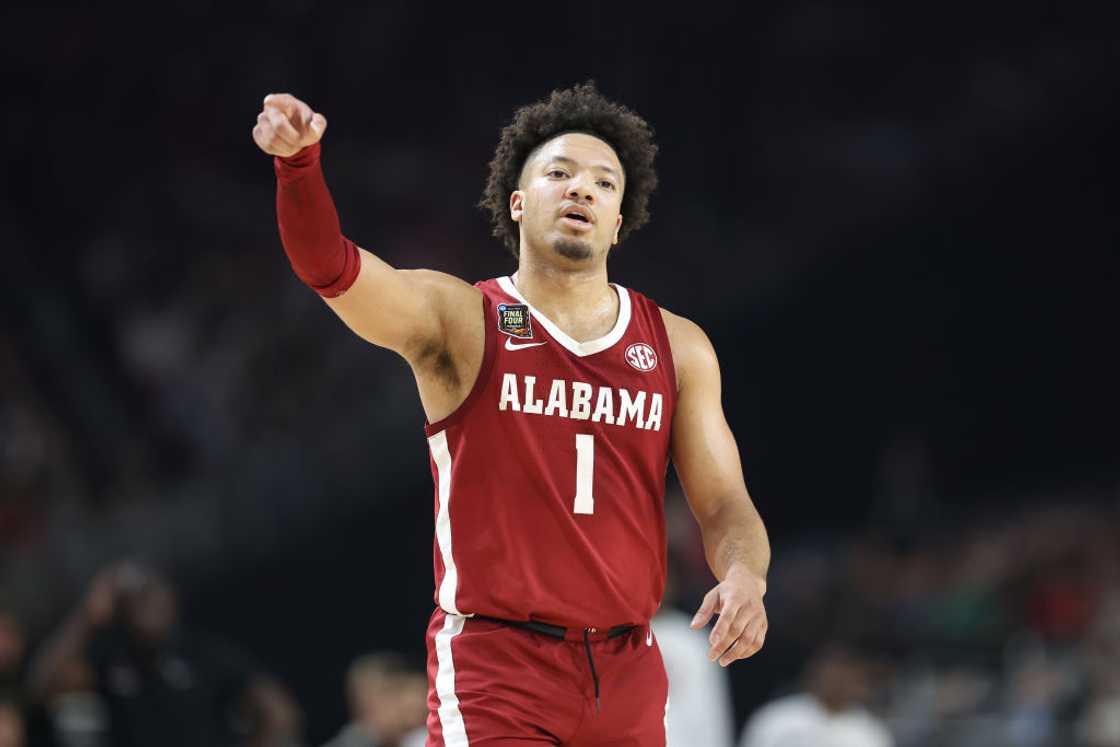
(493, 685)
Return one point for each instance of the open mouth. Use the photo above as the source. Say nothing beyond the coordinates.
(576, 222)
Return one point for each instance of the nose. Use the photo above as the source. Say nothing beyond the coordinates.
(580, 190)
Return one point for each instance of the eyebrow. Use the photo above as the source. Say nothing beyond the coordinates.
(565, 159)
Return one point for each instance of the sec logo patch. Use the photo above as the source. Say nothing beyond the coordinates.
(641, 356)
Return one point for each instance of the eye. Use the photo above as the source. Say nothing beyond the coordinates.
(557, 171)
(606, 184)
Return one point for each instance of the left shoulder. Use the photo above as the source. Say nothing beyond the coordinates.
(692, 351)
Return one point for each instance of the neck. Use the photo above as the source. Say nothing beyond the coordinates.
(833, 705)
(562, 291)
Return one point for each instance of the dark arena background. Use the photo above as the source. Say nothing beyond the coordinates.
(897, 225)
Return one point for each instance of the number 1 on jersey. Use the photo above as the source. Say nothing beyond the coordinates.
(585, 471)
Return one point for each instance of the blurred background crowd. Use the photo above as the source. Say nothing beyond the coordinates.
(898, 227)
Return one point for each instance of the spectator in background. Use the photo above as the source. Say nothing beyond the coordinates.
(11, 725)
(1098, 725)
(12, 650)
(388, 704)
(831, 713)
(74, 715)
(699, 710)
(160, 682)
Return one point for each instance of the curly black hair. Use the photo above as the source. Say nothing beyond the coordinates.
(578, 109)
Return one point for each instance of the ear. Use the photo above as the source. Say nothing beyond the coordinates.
(516, 205)
(617, 227)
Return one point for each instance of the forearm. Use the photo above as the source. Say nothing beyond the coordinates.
(735, 539)
(67, 643)
(310, 231)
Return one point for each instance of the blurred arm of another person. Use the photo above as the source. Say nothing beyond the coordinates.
(707, 460)
(13, 732)
(68, 643)
(431, 319)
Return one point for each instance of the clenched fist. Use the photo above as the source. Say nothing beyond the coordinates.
(286, 125)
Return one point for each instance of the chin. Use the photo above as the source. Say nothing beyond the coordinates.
(572, 249)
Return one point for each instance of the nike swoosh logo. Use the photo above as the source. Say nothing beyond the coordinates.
(511, 345)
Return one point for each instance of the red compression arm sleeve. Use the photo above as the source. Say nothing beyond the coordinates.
(309, 229)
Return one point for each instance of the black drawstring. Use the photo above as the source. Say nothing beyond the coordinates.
(555, 631)
(591, 661)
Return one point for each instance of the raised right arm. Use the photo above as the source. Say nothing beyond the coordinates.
(413, 312)
(67, 644)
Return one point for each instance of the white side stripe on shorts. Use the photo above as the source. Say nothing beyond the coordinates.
(667, 719)
(454, 730)
(450, 583)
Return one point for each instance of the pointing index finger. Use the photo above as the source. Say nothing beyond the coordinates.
(285, 103)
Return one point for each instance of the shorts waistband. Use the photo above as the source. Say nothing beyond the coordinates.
(558, 631)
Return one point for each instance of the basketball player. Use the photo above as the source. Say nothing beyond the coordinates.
(554, 400)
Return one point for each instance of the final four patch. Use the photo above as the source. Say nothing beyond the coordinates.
(513, 319)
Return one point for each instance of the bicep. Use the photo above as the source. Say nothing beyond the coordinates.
(402, 310)
(703, 448)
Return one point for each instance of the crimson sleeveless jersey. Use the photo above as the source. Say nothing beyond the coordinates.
(550, 476)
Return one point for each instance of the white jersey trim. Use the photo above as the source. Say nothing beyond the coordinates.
(450, 717)
(442, 457)
(578, 348)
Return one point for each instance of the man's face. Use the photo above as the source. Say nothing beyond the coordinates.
(842, 680)
(151, 612)
(572, 174)
(392, 705)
